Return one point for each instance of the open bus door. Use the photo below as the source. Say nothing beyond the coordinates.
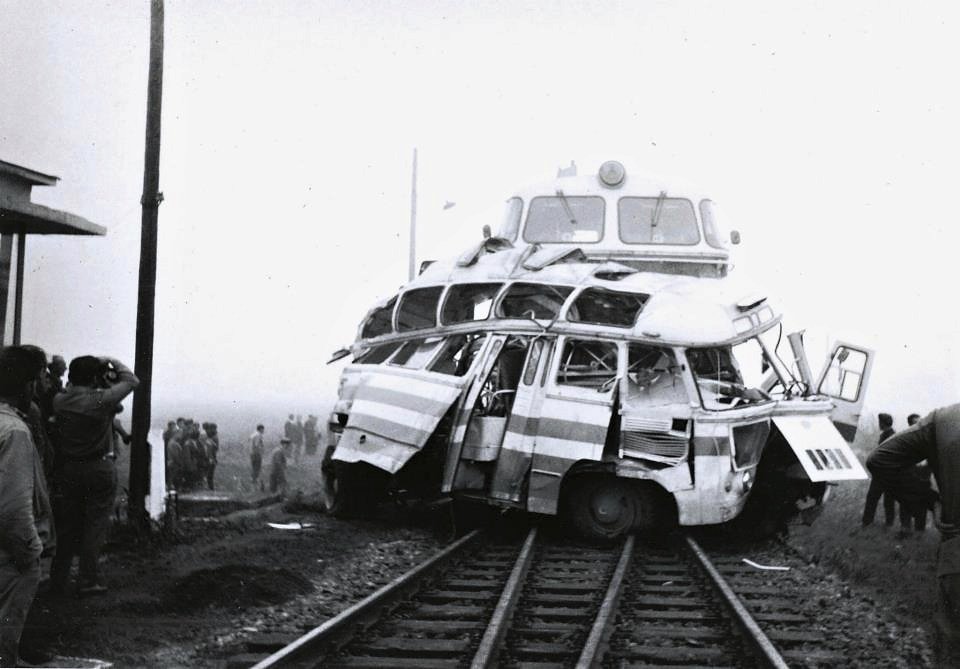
(844, 379)
(516, 452)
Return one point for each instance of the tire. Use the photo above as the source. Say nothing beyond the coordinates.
(602, 508)
(352, 490)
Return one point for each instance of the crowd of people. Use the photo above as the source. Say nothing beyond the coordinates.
(301, 439)
(58, 479)
(191, 452)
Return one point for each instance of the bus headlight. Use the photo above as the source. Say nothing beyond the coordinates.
(747, 481)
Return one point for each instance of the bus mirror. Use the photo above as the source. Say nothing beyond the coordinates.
(734, 237)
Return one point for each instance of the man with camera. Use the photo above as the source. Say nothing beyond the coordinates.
(85, 477)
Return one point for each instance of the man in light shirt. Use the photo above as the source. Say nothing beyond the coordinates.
(256, 456)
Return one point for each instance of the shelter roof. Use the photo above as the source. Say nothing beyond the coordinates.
(26, 174)
(18, 215)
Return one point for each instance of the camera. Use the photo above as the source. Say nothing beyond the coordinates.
(107, 375)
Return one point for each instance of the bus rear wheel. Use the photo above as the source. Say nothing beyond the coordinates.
(602, 507)
(351, 490)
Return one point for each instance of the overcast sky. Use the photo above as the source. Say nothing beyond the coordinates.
(826, 132)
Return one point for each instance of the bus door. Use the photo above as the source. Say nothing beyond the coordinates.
(844, 379)
(575, 415)
(516, 452)
(488, 358)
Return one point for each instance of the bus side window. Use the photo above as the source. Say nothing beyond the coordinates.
(587, 364)
(533, 359)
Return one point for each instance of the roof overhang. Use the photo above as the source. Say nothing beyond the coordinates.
(18, 217)
(26, 174)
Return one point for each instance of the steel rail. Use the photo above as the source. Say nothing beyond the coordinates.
(299, 651)
(487, 652)
(767, 654)
(595, 646)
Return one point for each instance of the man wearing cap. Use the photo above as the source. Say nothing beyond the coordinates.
(935, 438)
(85, 475)
(24, 506)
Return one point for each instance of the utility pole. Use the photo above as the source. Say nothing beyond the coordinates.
(413, 220)
(150, 202)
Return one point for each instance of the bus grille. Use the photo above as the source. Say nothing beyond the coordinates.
(669, 447)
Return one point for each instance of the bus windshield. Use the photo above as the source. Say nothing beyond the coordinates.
(720, 380)
(564, 219)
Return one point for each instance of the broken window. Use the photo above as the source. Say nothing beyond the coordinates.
(607, 307)
(844, 376)
(588, 364)
(380, 321)
(469, 302)
(418, 309)
(658, 220)
(457, 355)
(748, 442)
(719, 380)
(415, 354)
(377, 354)
(650, 366)
(533, 300)
(562, 219)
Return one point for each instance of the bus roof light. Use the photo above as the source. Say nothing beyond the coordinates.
(612, 174)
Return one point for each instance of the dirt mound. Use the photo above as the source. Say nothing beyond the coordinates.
(237, 586)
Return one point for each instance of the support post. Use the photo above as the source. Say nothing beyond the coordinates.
(18, 296)
(6, 257)
(150, 202)
(413, 220)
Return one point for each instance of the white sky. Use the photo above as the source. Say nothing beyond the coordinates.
(827, 132)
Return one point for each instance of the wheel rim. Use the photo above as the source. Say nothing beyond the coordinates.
(611, 508)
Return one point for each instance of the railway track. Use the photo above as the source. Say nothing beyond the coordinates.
(537, 602)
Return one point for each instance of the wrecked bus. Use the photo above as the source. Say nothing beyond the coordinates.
(593, 359)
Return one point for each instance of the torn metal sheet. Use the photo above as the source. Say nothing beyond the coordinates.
(822, 452)
(393, 415)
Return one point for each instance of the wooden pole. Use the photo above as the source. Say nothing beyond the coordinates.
(413, 220)
(6, 260)
(150, 202)
(18, 296)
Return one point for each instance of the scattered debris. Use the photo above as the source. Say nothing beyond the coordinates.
(765, 566)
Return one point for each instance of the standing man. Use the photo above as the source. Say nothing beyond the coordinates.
(875, 491)
(85, 474)
(310, 436)
(936, 439)
(298, 439)
(210, 443)
(256, 456)
(24, 506)
(278, 467)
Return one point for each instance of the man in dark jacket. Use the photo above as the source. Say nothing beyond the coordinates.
(85, 476)
(936, 439)
(874, 492)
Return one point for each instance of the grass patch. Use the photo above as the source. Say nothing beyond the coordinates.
(899, 567)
